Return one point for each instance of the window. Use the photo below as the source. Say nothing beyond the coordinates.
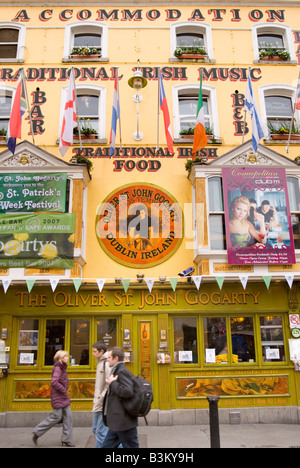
(5, 106)
(80, 342)
(273, 36)
(89, 34)
(216, 215)
(185, 340)
(294, 200)
(55, 339)
(242, 339)
(28, 342)
(190, 35)
(272, 339)
(107, 332)
(215, 340)
(12, 42)
(185, 102)
(91, 109)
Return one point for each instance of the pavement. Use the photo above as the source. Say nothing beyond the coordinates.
(173, 437)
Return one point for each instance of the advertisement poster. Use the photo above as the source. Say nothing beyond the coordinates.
(33, 192)
(257, 216)
(37, 240)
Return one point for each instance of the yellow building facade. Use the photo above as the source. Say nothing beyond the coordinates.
(138, 218)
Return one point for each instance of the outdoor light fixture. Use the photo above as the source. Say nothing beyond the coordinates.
(137, 82)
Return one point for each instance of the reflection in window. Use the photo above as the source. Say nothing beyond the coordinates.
(28, 342)
(215, 340)
(294, 200)
(242, 337)
(188, 102)
(55, 339)
(272, 339)
(216, 214)
(272, 41)
(185, 340)
(5, 107)
(107, 332)
(80, 342)
(88, 40)
(88, 111)
(279, 111)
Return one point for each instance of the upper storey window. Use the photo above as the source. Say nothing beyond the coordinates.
(12, 42)
(273, 42)
(86, 41)
(191, 41)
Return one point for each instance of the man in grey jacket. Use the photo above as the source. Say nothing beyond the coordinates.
(101, 385)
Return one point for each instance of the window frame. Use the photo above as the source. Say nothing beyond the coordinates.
(81, 28)
(284, 31)
(203, 28)
(21, 41)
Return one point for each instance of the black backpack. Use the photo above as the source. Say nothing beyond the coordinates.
(140, 404)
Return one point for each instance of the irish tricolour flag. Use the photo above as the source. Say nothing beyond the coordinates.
(200, 138)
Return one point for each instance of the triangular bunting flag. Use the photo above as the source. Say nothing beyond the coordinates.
(77, 283)
(6, 284)
(30, 284)
(220, 280)
(267, 280)
(101, 283)
(173, 282)
(126, 283)
(244, 280)
(150, 283)
(290, 279)
(197, 281)
(54, 282)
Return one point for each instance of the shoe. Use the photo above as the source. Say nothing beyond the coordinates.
(68, 444)
(35, 439)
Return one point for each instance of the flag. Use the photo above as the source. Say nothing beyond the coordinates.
(200, 138)
(115, 115)
(18, 109)
(251, 108)
(298, 95)
(165, 111)
(69, 118)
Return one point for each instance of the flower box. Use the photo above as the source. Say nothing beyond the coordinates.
(280, 136)
(191, 56)
(81, 56)
(92, 136)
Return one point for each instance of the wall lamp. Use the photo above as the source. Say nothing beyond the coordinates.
(137, 82)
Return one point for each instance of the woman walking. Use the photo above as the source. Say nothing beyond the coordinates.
(60, 402)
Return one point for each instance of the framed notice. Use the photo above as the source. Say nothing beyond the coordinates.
(257, 216)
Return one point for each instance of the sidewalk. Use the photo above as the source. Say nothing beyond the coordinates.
(232, 436)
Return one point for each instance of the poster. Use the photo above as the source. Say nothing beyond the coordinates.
(33, 192)
(257, 216)
(37, 240)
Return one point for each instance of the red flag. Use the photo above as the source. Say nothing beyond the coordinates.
(18, 109)
(70, 117)
(167, 122)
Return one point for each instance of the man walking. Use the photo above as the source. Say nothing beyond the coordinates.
(122, 426)
(101, 385)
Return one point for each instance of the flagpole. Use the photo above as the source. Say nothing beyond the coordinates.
(293, 117)
(158, 109)
(120, 132)
(245, 111)
(76, 104)
(27, 102)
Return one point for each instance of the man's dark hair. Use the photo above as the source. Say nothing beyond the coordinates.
(100, 346)
(117, 352)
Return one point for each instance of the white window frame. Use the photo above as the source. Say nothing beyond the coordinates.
(202, 28)
(89, 89)
(279, 90)
(21, 40)
(81, 28)
(208, 91)
(9, 89)
(267, 28)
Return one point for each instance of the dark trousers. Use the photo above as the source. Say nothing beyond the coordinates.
(128, 439)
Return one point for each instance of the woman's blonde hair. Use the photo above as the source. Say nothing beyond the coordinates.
(60, 355)
(237, 200)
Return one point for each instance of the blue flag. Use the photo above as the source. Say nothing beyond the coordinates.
(251, 108)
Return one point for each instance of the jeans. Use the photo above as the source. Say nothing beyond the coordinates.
(58, 415)
(99, 429)
(128, 439)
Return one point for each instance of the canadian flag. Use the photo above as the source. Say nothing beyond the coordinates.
(70, 117)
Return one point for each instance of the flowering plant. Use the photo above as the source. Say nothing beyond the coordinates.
(271, 50)
(85, 128)
(283, 128)
(86, 50)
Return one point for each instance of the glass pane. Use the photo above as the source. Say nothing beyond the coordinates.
(55, 339)
(107, 332)
(278, 106)
(185, 340)
(9, 35)
(4, 124)
(188, 106)
(217, 232)
(8, 51)
(215, 194)
(28, 342)
(5, 104)
(87, 40)
(88, 105)
(242, 337)
(270, 40)
(272, 339)
(89, 123)
(296, 230)
(294, 193)
(80, 342)
(189, 40)
(215, 339)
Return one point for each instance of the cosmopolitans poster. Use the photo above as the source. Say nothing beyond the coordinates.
(257, 216)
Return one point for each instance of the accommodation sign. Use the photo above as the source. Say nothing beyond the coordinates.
(33, 192)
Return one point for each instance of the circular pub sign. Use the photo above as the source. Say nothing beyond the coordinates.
(139, 225)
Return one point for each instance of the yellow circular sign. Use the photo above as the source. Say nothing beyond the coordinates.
(139, 225)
